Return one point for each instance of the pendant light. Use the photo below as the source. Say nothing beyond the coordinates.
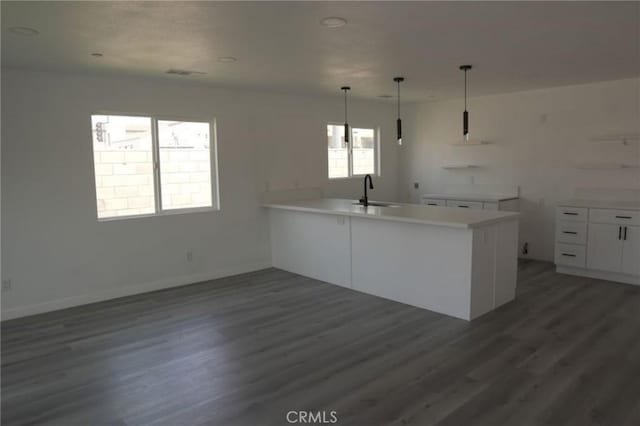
(346, 123)
(399, 121)
(465, 114)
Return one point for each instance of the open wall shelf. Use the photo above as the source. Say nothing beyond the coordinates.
(606, 166)
(470, 143)
(626, 139)
(460, 166)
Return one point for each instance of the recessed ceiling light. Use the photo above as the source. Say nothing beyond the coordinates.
(24, 31)
(97, 55)
(227, 59)
(333, 22)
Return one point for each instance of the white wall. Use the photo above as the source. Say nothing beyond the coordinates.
(537, 136)
(57, 254)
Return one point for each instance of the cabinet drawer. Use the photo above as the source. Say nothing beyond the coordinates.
(433, 202)
(490, 206)
(570, 255)
(465, 204)
(571, 232)
(617, 217)
(571, 214)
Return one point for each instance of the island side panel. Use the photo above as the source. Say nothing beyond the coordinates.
(483, 270)
(495, 263)
(311, 244)
(426, 266)
(506, 261)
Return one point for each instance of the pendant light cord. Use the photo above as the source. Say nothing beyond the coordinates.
(398, 98)
(465, 89)
(345, 105)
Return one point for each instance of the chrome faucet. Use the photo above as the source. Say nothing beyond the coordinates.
(365, 200)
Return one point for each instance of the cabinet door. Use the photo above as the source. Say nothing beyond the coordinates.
(490, 206)
(631, 251)
(604, 247)
(433, 202)
(474, 205)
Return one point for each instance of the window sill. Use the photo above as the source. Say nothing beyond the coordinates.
(351, 177)
(161, 214)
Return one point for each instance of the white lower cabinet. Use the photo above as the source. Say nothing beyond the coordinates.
(604, 247)
(511, 204)
(631, 250)
(490, 206)
(611, 244)
(571, 232)
(434, 202)
(476, 205)
(570, 254)
(614, 248)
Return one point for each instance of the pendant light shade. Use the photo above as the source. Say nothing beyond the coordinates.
(465, 114)
(399, 121)
(346, 122)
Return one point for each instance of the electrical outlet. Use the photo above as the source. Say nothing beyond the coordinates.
(189, 256)
(6, 285)
(416, 185)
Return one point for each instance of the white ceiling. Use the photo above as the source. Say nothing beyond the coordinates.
(282, 46)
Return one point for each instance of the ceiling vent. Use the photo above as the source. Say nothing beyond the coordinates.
(183, 72)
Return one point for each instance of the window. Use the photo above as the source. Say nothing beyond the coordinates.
(354, 159)
(125, 150)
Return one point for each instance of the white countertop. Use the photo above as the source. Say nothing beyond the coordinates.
(412, 213)
(488, 198)
(602, 204)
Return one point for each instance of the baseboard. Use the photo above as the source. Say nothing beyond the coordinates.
(601, 275)
(68, 302)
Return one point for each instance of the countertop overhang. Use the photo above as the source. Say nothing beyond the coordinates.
(453, 217)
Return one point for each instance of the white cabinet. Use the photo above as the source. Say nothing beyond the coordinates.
(618, 217)
(571, 214)
(434, 202)
(631, 250)
(478, 203)
(490, 206)
(570, 254)
(475, 205)
(605, 247)
(608, 238)
(571, 232)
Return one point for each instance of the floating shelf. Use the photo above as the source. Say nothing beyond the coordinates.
(606, 166)
(471, 143)
(460, 166)
(617, 139)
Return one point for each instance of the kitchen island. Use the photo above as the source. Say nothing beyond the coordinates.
(453, 261)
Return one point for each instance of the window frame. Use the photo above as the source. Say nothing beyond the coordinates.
(155, 155)
(376, 152)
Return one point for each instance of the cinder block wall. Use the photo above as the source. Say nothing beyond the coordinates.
(124, 181)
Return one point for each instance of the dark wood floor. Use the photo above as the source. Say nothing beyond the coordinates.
(250, 348)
